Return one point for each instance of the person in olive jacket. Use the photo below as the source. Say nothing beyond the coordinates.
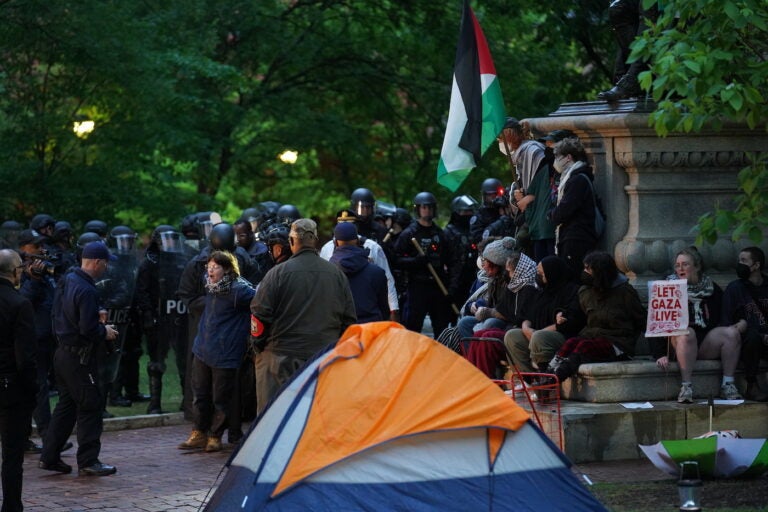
(615, 318)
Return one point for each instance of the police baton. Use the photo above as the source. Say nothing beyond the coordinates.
(434, 274)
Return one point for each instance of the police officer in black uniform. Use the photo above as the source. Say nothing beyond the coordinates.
(256, 249)
(76, 323)
(18, 376)
(424, 295)
(362, 203)
(464, 272)
(491, 190)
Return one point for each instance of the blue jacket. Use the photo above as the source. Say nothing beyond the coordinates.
(367, 282)
(224, 326)
(76, 310)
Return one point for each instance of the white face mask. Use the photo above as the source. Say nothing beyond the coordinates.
(503, 148)
(561, 164)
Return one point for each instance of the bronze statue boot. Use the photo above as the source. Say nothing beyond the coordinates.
(627, 87)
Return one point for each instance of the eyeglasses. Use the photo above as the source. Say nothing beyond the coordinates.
(211, 268)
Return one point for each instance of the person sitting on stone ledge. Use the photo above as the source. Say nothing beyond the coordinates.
(550, 317)
(704, 340)
(615, 318)
(745, 308)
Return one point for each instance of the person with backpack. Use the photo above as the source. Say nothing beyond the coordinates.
(576, 209)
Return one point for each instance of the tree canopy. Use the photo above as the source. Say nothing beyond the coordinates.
(193, 100)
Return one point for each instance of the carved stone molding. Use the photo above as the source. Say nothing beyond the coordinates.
(681, 159)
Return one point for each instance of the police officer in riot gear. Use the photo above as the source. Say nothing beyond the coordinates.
(492, 191)
(363, 203)
(277, 242)
(9, 234)
(123, 240)
(424, 295)
(163, 316)
(464, 272)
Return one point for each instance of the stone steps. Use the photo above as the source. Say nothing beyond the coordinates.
(594, 432)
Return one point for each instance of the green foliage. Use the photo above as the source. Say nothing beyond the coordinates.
(749, 216)
(193, 100)
(709, 65)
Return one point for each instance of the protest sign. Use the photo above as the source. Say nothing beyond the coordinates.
(667, 308)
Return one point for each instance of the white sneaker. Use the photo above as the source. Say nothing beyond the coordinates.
(686, 394)
(729, 391)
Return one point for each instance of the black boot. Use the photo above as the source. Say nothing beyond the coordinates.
(155, 392)
(627, 87)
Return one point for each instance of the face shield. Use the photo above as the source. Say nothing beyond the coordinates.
(363, 209)
(205, 229)
(170, 241)
(124, 243)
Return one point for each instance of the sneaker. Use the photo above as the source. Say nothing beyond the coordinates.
(686, 394)
(728, 391)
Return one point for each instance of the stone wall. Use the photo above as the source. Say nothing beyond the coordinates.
(654, 189)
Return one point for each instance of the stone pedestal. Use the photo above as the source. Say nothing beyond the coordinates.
(655, 189)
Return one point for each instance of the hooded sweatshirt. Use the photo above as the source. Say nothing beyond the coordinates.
(367, 282)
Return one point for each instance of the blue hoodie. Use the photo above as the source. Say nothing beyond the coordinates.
(367, 282)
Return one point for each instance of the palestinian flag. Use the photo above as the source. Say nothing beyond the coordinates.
(476, 114)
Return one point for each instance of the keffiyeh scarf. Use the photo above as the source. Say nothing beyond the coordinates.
(525, 273)
(696, 293)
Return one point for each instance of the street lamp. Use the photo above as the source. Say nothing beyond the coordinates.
(289, 156)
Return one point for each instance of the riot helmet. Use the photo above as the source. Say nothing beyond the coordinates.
(425, 199)
(252, 216)
(270, 206)
(463, 205)
(43, 223)
(402, 218)
(222, 237)
(189, 227)
(86, 238)
(9, 231)
(491, 189)
(204, 225)
(277, 242)
(167, 239)
(125, 239)
(288, 213)
(62, 232)
(362, 203)
(96, 226)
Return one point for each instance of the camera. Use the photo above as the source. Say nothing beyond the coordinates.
(48, 265)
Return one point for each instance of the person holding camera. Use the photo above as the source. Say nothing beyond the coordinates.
(80, 333)
(38, 285)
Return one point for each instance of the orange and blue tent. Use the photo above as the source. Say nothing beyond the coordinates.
(388, 419)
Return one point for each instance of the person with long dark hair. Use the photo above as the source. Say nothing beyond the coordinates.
(615, 318)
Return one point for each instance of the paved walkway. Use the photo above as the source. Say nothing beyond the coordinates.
(152, 476)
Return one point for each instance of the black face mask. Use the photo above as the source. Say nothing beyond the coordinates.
(587, 278)
(540, 281)
(742, 271)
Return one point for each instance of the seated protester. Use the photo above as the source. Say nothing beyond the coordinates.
(704, 340)
(551, 317)
(486, 315)
(574, 214)
(615, 318)
(520, 290)
(745, 308)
